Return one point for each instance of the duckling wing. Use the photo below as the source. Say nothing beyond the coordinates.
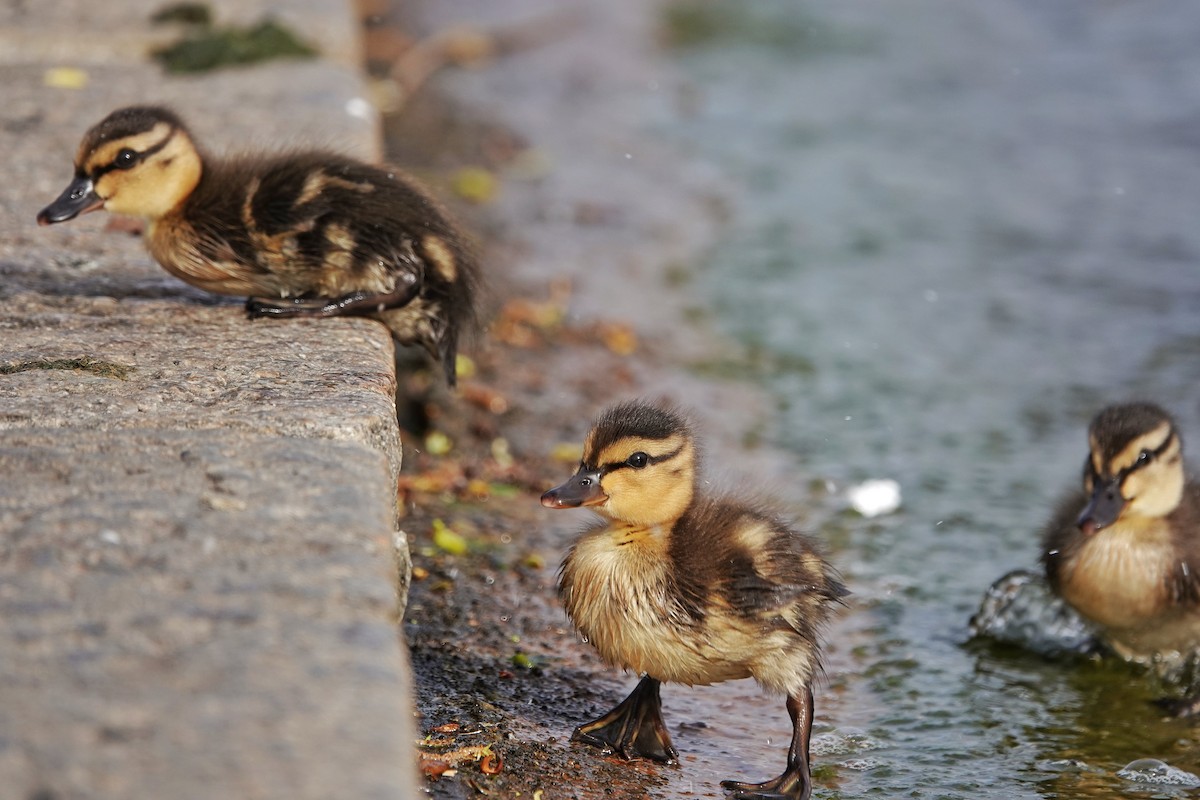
(757, 567)
(320, 226)
(317, 225)
(1184, 582)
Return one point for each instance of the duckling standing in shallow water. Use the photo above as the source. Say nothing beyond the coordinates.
(681, 587)
(1125, 553)
(304, 234)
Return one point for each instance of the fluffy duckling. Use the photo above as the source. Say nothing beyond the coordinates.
(1126, 552)
(304, 234)
(678, 586)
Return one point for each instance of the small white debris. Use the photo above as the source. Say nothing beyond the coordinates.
(874, 498)
(110, 537)
(360, 107)
(223, 502)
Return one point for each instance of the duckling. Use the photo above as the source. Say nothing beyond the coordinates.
(304, 234)
(679, 586)
(1125, 553)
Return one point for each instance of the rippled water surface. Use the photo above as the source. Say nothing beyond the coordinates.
(958, 230)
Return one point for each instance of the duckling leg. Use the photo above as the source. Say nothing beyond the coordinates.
(634, 729)
(353, 303)
(795, 782)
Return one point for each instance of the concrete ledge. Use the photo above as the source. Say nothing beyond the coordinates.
(198, 616)
(177, 365)
(198, 584)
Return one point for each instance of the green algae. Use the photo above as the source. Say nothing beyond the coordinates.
(105, 369)
(204, 47)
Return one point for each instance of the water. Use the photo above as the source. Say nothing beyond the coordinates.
(958, 230)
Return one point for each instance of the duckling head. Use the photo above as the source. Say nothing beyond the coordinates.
(1135, 467)
(139, 161)
(639, 467)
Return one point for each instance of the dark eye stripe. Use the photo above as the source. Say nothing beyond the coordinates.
(1124, 473)
(1155, 453)
(613, 466)
(107, 168)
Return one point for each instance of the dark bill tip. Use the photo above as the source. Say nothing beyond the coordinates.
(581, 489)
(1103, 508)
(78, 198)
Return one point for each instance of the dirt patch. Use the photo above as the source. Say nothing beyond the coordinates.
(499, 670)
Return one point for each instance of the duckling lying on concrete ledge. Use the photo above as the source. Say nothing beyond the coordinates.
(311, 234)
(678, 586)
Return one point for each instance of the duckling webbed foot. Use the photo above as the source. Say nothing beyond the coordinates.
(795, 783)
(634, 729)
(347, 304)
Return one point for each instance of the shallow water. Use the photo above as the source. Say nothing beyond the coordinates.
(958, 230)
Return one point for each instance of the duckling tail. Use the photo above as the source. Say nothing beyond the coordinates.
(447, 352)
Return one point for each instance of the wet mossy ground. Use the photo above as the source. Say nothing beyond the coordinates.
(105, 369)
(204, 46)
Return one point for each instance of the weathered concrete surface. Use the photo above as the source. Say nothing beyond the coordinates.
(197, 579)
(181, 366)
(196, 616)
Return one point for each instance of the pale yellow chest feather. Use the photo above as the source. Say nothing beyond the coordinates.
(1119, 578)
(615, 589)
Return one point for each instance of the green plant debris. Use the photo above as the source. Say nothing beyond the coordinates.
(186, 13)
(448, 539)
(207, 48)
(524, 661)
(105, 369)
(677, 275)
(702, 23)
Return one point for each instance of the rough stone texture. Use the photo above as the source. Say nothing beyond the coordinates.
(198, 585)
(196, 616)
(186, 366)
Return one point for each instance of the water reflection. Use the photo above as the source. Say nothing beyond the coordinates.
(959, 230)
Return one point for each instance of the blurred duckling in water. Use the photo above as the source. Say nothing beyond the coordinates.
(1125, 553)
(303, 234)
(677, 586)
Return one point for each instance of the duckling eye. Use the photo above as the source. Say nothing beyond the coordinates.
(638, 460)
(1144, 457)
(125, 159)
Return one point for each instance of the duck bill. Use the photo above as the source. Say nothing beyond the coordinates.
(581, 489)
(78, 198)
(1102, 510)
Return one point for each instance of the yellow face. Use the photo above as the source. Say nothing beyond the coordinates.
(146, 175)
(646, 481)
(638, 480)
(1147, 472)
